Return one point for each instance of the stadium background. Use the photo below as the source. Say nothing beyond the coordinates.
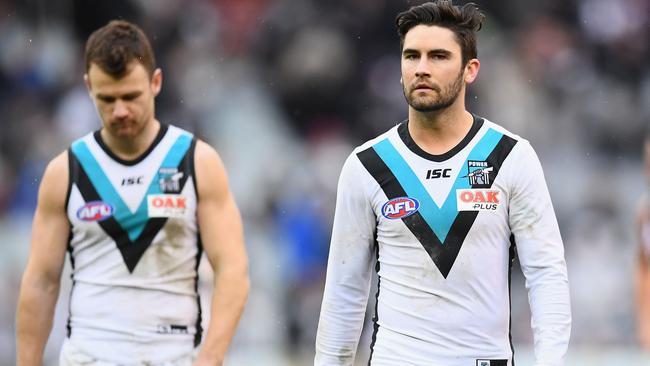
(284, 89)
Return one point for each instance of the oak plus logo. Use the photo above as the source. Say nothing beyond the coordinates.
(166, 205)
(477, 199)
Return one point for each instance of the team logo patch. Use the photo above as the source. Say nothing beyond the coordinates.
(169, 180)
(400, 207)
(477, 199)
(172, 329)
(166, 205)
(95, 211)
(491, 362)
(478, 173)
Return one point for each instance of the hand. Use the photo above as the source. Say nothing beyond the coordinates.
(203, 360)
(644, 339)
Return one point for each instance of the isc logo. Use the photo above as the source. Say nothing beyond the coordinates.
(438, 173)
(166, 205)
(477, 199)
(401, 207)
(95, 211)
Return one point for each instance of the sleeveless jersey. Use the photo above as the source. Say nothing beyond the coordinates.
(441, 231)
(135, 250)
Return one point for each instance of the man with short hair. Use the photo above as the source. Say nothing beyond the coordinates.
(441, 204)
(135, 204)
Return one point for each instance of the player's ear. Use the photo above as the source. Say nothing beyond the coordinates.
(156, 81)
(87, 81)
(471, 70)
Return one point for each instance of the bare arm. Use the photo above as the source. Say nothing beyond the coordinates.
(642, 284)
(221, 231)
(39, 289)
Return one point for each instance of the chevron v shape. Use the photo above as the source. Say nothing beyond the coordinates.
(133, 232)
(440, 230)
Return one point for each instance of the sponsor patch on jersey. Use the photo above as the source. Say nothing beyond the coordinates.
(169, 180)
(491, 362)
(400, 207)
(166, 205)
(477, 199)
(95, 211)
(478, 173)
(172, 329)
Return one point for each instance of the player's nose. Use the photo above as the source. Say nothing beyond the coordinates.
(120, 109)
(422, 68)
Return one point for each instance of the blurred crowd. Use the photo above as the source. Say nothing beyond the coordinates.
(284, 89)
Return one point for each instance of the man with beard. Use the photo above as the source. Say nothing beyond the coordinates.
(441, 204)
(135, 204)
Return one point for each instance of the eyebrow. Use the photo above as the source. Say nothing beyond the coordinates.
(435, 50)
(129, 95)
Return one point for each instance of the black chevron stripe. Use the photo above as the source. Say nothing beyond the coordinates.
(132, 251)
(443, 254)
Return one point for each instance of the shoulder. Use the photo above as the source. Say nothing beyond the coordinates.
(358, 164)
(205, 154)
(372, 142)
(79, 144)
(175, 129)
(521, 147)
(57, 168)
(54, 184)
(502, 130)
(211, 177)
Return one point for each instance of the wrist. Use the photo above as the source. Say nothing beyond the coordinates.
(205, 357)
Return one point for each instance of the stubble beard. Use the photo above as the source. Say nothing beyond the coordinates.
(128, 129)
(443, 100)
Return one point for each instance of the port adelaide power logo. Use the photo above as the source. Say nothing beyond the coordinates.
(169, 180)
(169, 203)
(478, 174)
(480, 197)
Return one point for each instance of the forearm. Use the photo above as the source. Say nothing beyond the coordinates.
(34, 320)
(344, 300)
(228, 299)
(551, 314)
(642, 304)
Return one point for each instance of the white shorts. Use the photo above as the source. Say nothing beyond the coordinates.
(72, 356)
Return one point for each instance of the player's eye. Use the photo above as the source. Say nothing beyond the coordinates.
(130, 97)
(105, 99)
(439, 56)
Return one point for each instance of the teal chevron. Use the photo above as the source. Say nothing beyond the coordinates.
(131, 222)
(439, 219)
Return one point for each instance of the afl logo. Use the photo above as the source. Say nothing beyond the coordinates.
(95, 211)
(400, 207)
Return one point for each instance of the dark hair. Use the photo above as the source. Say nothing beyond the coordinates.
(463, 21)
(114, 46)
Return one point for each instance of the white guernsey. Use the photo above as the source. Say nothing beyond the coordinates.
(134, 250)
(442, 232)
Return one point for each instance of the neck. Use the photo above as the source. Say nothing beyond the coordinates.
(129, 148)
(438, 132)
